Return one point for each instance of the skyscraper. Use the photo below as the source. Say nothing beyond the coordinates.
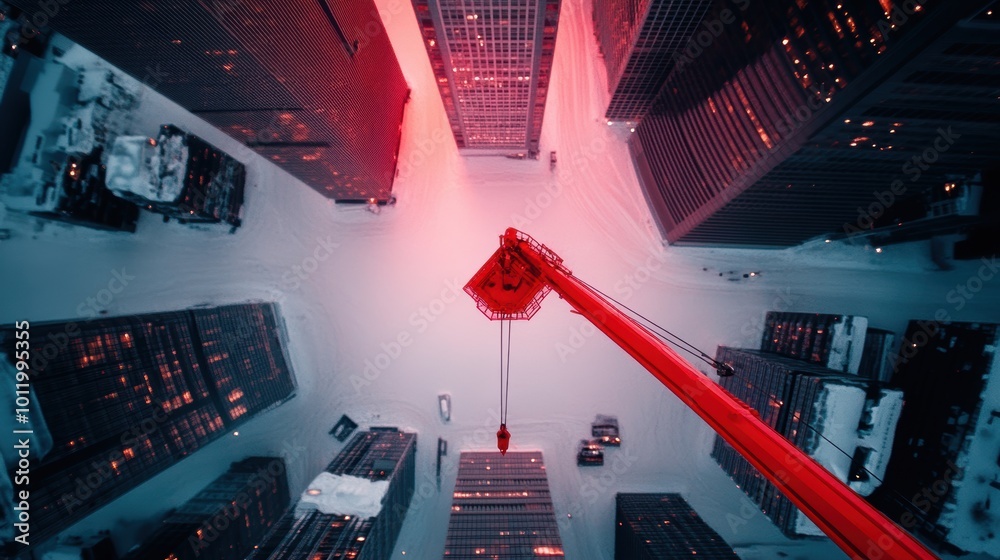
(832, 341)
(125, 398)
(314, 87)
(641, 41)
(802, 119)
(227, 519)
(835, 418)
(492, 62)
(502, 508)
(653, 526)
(944, 474)
(378, 463)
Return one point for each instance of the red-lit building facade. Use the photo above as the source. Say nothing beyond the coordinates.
(376, 455)
(314, 87)
(797, 114)
(227, 519)
(654, 526)
(502, 508)
(641, 42)
(125, 398)
(492, 62)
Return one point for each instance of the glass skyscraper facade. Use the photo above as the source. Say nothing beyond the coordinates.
(501, 508)
(798, 114)
(654, 526)
(124, 398)
(492, 62)
(944, 470)
(641, 41)
(227, 519)
(324, 102)
(376, 455)
(802, 402)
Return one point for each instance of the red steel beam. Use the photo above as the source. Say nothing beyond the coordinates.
(852, 523)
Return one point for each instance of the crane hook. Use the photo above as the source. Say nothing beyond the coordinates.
(503, 439)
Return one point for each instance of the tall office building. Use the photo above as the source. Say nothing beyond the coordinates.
(832, 341)
(492, 62)
(379, 465)
(227, 519)
(125, 398)
(802, 119)
(641, 41)
(502, 508)
(943, 476)
(653, 526)
(836, 418)
(313, 86)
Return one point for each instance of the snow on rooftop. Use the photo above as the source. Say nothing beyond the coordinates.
(391, 277)
(968, 517)
(151, 170)
(343, 495)
(885, 414)
(838, 411)
(128, 167)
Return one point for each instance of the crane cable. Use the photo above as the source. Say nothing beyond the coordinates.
(504, 373)
(680, 343)
(722, 367)
(503, 436)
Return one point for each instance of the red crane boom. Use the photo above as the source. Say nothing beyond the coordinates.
(512, 284)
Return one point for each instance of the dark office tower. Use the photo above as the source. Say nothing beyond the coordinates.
(314, 530)
(641, 41)
(311, 85)
(832, 341)
(502, 508)
(654, 526)
(831, 416)
(125, 398)
(226, 519)
(943, 475)
(803, 119)
(492, 62)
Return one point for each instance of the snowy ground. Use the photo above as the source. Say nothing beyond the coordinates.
(387, 300)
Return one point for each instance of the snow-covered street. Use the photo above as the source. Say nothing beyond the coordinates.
(379, 326)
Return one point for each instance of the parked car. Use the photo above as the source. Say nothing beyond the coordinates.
(444, 406)
(605, 429)
(590, 453)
